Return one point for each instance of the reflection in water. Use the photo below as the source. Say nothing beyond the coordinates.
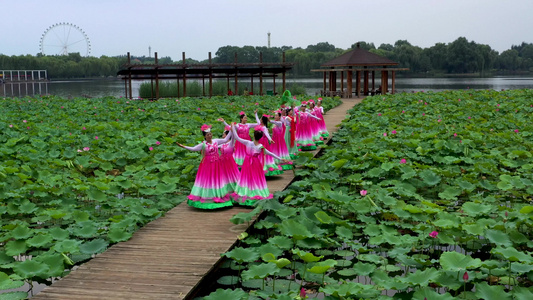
(115, 87)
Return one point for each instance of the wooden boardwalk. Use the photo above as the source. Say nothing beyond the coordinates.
(167, 258)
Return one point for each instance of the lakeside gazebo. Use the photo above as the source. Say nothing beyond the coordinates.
(364, 63)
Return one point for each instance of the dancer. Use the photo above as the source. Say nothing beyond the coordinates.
(304, 136)
(271, 168)
(243, 130)
(228, 166)
(290, 133)
(252, 185)
(280, 146)
(313, 124)
(208, 191)
(321, 123)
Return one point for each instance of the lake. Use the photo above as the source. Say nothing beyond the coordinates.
(115, 87)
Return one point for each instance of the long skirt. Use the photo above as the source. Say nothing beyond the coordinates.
(270, 167)
(252, 185)
(279, 147)
(209, 191)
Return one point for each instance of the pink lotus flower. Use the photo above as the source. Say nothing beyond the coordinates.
(62, 107)
(80, 150)
(516, 130)
(151, 148)
(393, 132)
(198, 108)
(96, 137)
(256, 103)
(158, 143)
(86, 148)
(84, 128)
(403, 111)
(28, 127)
(497, 105)
(403, 161)
(11, 125)
(469, 118)
(439, 120)
(379, 114)
(423, 114)
(24, 121)
(455, 134)
(384, 134)
(497, 109)
(363, 192)
(465, 276)
(434, 234)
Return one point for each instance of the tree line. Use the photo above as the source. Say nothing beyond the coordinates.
(458, 57)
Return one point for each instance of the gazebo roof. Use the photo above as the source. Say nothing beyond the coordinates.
(359, 57)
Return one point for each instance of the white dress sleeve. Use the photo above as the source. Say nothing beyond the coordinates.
(271, 154)
(198, 147)
(312, 116)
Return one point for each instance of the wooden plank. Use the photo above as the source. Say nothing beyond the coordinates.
(167, 258)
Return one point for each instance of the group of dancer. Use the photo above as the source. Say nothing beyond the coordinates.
(233, 168)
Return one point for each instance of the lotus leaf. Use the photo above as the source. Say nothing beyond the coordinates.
(39, 240)
(498, 237)
(512, 254)
(228, 280)
(6, 283)
(306, 256)
(67, 246)
(21, 232)
(94, 246)
(282, 242)
(260, 271)
(16, 247)
(428, 293)
(242, 254)
(30, 268)
(522, 293)
(491, 292)
(455, 261)
(14, 296)
(118, 235)
(221, 294)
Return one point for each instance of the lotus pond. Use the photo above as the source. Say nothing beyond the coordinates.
(420, 196)
(79, 175)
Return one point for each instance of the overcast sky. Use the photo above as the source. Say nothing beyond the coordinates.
(197, 27)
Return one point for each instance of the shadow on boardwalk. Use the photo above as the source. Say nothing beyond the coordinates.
(167, 258)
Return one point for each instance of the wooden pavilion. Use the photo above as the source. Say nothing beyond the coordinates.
(184, 71)
(363, 63)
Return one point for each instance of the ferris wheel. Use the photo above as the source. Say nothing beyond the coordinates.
(64, 38)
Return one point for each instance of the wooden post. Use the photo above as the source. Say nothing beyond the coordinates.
(261, 74)
(349, 83)
(393, 80)
(358, 83)
(365, 83)
(252, 84)
(284, 71)
(384, 82)
(274, 84)
(156, 78)
(129, 74)
(203, 85)
(236, 73)
(125, 88)
(184, 75)
(324, 85)
(210, 77)
(342, 84)
(373, 81)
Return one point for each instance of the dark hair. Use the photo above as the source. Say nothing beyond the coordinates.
(279, 114)
(204, 133)
(264, 121)
(258, 135)
(241, 116)
(288, 110)
(226, 132)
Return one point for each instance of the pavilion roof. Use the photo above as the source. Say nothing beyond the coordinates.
(359, 57)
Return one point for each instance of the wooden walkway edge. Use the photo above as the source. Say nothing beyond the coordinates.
(167, 258)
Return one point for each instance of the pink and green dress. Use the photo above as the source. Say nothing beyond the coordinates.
(304, 134)
(209, 191)
(315, 128)
(270, 166)
(279, 147)
(319, 112)
(290, 136)
(230, 169)
(243, 131)
(252, 185)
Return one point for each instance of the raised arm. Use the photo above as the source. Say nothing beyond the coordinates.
(265, 132)
(245, 142)
(277, 123)
(313, 116)
(195, 148)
